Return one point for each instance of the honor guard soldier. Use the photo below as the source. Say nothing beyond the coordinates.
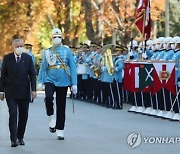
(154, 49)
(160, 48)
(169, 51)
(149, 51)
(57, 73)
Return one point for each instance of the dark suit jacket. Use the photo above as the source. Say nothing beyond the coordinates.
(16, 79)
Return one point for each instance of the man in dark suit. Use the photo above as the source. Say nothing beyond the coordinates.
(18, 83)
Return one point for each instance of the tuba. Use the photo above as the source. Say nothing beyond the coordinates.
(109, 61)
(108, 58)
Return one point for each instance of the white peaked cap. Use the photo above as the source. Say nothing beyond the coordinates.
(56, 32)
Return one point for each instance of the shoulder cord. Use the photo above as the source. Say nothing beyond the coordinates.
(59, 58)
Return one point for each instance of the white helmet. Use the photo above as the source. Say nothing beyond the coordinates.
(153, 46)
(149, 44)
(173, 42)
(167, 41)
(56, 32)
(176, 40)
(159, 43)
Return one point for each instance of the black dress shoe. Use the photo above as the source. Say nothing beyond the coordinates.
(60, 138)
(14, 143)
(21, 142)
(52, 130)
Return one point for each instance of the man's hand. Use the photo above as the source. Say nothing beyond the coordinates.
(33, 94)
(1, 96)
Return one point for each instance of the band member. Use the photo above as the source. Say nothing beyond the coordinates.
(117, 83)
(29, 51)
(17, 78)
(57, 73)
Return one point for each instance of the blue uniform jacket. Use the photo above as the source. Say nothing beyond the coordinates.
(149, 53)
(168, 55)
(160, 55)
(176, 57)
(154, 55)
(58, 76)
(119, 66)
(105, 76)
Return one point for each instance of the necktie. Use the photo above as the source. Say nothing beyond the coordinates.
(18, 59)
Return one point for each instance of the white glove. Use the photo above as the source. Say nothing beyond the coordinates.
(144, 55)
(40, 87)
(179, 84)
(139, 50)
(74, 89)
(130, 53)
(116, 69)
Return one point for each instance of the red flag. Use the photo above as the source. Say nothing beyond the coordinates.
(127, 76)
(143, 18)
(131, 77)
(164, 77)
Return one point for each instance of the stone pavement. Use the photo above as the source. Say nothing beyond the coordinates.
(92, 129)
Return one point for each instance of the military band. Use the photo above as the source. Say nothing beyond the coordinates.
(106, 89)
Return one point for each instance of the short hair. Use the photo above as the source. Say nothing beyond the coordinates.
(17, 40)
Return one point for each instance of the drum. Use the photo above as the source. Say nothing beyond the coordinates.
(82, 69)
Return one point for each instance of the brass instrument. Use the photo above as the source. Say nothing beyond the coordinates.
(97, 71)
(109, 61)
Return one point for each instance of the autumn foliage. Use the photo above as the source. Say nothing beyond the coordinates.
(79, 20)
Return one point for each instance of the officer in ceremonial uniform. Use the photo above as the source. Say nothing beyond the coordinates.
(57, 73)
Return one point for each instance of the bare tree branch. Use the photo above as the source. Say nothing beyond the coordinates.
(100, 13)
(50, 21)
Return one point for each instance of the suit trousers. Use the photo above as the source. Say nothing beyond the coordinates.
(18, 114)
(61, 93)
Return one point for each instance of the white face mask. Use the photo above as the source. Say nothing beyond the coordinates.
(157, 46)
(19, 50)
(165, 46)
(172, 46)
(153, 48)
(57, 41)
